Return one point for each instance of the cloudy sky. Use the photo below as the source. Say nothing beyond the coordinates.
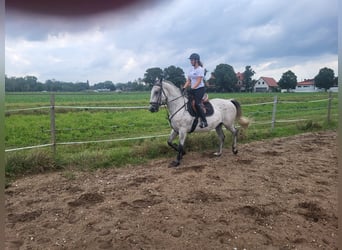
(270, 36)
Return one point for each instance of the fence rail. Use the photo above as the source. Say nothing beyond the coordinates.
(54, 107)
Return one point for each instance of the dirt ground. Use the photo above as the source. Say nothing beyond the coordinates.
(275, 194)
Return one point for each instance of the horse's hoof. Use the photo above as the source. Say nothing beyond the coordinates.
(235, 151)
(217, 154)
(174, 164)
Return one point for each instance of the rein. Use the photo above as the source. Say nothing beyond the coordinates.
(159, 101)
(171, 116)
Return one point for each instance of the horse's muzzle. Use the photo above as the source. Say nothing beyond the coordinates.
(154, 107)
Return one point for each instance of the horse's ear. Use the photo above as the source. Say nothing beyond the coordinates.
(157, 81)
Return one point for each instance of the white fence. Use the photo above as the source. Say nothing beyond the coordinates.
(53, 108)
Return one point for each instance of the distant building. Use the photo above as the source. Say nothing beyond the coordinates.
(240, 84)
(101, 90)
(308, 85)
(266, 84)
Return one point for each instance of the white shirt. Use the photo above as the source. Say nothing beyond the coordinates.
(194, 73)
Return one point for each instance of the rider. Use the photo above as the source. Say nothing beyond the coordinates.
(197, 86)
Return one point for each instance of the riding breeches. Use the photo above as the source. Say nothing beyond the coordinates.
(198, 95)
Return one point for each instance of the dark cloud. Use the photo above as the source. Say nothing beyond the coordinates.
(32, 22)
(246, 32)
(39, 27)
(71, 8)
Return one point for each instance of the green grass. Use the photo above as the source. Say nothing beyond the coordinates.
(33, 129)
(37, 161)
(28, 128)
(27, 100)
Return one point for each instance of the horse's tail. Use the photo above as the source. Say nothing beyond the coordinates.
(243, 121)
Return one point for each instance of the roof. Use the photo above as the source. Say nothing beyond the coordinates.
(306, 82)
(270, 81)
(239, 76)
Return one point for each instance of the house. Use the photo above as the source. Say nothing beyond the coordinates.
(240, 84)
(308, 85)
(266, 84)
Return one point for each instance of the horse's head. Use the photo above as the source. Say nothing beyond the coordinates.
(157, 96)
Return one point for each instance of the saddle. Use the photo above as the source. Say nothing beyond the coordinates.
(206, 106)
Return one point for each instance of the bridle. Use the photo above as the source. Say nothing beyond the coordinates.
(155, 105)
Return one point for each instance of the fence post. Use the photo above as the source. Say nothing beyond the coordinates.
(52, 123)
(329, 106)
(274, 112)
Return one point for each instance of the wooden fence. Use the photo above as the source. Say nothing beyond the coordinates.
(54, 143)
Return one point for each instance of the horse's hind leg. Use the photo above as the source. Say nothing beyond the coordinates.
(221, 136)
(235, 133)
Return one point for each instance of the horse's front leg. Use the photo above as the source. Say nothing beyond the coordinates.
(181, 152)
(172, 136)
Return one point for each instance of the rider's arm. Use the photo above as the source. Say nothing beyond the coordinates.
(187, 83)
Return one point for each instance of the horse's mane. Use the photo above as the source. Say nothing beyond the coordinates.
(172, 84)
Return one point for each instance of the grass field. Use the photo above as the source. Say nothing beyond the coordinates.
(32, 127)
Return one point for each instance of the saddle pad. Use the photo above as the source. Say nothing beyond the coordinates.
(209, 110)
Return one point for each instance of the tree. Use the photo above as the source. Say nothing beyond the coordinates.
(81, 86)
(152, 74)
(20, 84)
(224, 78)
(288, 81)
(10, 84)
(30, 83)
(52, 85)
(325, 78)
(247, 78)
(174, 75)
(105, 85)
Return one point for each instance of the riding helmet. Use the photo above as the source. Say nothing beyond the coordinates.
(194, 56)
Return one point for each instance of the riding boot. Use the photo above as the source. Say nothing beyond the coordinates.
(202, 116)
